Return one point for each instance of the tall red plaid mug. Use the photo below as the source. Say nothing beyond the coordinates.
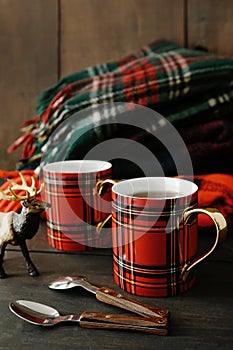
(77, 210)
(155, 235)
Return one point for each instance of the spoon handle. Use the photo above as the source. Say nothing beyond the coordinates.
(110, 321)
(114, 298)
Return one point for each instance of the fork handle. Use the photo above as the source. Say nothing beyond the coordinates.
(109, 296)
(101, 320)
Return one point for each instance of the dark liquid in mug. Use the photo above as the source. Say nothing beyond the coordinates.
(156, 194)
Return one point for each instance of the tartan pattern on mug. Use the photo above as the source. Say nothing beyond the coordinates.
(76, 209)
(151, 244)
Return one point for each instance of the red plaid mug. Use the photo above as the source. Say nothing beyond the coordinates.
(76, 208)
(155, 235)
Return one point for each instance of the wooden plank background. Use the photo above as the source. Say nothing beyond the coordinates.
(43, 40)
(94, 31)
(29, 63)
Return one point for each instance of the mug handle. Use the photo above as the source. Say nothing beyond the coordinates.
(221, 230)
(100, 186)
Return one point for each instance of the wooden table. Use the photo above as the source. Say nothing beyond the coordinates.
(200, 319)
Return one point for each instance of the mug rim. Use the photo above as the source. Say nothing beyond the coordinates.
(188, 187)
(67, 166)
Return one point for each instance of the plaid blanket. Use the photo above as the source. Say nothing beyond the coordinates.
(185, 86)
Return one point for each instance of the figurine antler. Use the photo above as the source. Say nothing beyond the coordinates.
(16, 228)
(31, 191)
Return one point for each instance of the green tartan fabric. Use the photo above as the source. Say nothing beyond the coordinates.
(184, 85)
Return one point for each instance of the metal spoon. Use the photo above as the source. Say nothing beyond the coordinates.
(43, 315)
(109, 296)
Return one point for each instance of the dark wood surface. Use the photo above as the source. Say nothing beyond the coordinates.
(200, 319)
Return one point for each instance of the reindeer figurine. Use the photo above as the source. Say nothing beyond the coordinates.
(16, 228)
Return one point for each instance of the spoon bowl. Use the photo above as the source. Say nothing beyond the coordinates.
(35, 313)
(69, 282)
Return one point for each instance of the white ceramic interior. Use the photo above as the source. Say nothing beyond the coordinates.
(77, 166)
(156, 187)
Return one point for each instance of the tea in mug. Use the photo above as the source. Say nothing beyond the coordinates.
(156, 194)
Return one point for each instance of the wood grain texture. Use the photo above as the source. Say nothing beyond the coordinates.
(111, 297)
(28, 41)
(94, 31)
(209, 24)
(121, 322)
